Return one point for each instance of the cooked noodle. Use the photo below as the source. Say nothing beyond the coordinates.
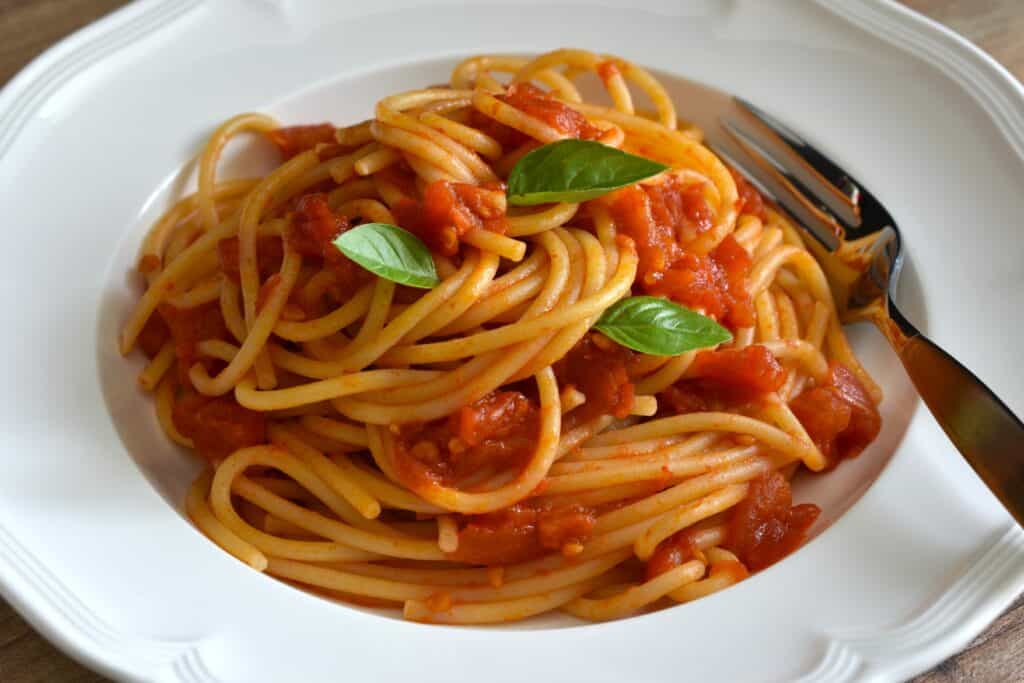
(475, 452)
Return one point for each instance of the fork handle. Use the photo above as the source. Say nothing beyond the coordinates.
(980, 425)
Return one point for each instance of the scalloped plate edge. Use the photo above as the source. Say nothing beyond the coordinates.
(962, 611)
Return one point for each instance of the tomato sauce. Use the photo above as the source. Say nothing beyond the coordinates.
(753, 368)
(154, 335)
(765, 526)
(607, 70)
(508, 137)
(656, 243)
(269, 255)
(839, 415)
(674, 551)
(601, 373)
(400, 176)
(293, 140)
(534, 102)
(682, 207)
(188, 327)
(499, 430)
(521, 532)
(749, 200)
(312, 228)
(662, 219)
(725, 379)
(491, 417)
(218, 426)
(149, 263)
(450, 210)
(715, 284)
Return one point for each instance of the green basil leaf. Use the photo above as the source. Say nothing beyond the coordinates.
(575, 171)
(390, 252)
(659, 327)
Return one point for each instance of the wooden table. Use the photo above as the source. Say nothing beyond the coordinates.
(27, 27)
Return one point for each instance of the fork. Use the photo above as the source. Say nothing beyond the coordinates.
(860, 249)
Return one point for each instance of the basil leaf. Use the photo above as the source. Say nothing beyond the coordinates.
(390, 252)
(659, 327)
(575, 171)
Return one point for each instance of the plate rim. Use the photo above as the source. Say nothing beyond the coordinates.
(998, 93)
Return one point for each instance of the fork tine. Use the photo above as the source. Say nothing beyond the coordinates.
(789, 180)
(800, 214)
(766, 172)
(831, 175)
(868, 213)
(754, 180)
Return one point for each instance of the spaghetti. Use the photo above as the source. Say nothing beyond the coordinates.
(476, 452)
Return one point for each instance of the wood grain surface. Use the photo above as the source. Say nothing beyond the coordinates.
(27, 27)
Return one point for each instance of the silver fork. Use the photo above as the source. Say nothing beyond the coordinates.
(860, 249)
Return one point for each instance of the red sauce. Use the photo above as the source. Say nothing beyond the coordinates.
(149, 263)
(188, 327)
(750, 200)
(450, 210)
(493, 416)
(506, 136)
(563, 525)
(607, 71)
(601, 374)
(724, 380)
(765, 527)
(674, 551)
(534, 102)
(293, 140)
(400, 176)
(153, 335)
(733, 262)
(662, 219)
(682, 207)
(218, 426)
(314, 227)
(289, 206)
(656, 244)
(499, 430)
(269, 255)
(311, 231)
(715, 284)
(839, 415)
(521, 532)
(753, 368)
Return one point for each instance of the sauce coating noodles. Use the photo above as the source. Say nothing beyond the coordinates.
(476, 452)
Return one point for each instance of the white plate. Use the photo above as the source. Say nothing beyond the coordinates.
(94, 550)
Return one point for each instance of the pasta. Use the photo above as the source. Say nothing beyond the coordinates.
(483, 448)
